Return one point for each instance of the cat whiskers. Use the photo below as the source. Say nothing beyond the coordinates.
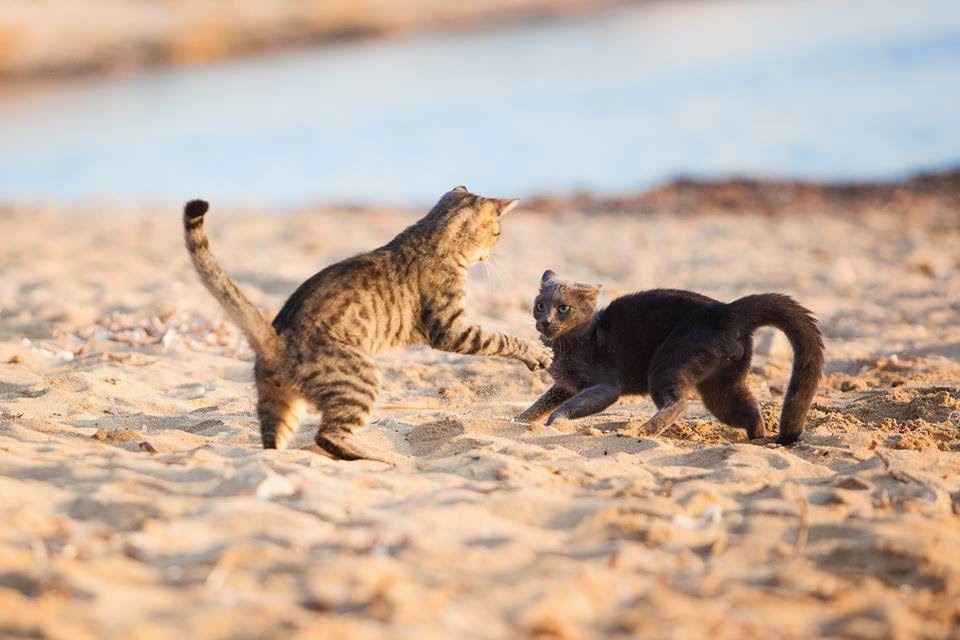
(494, 274)
(487, 271)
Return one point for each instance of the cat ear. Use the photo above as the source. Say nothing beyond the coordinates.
(506, 205)
(589, 291)
(547, 276)
(459, 189)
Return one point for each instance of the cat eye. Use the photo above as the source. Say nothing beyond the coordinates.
(564, 309)
(539, 306)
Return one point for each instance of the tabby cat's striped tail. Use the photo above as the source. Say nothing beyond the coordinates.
(262, 337)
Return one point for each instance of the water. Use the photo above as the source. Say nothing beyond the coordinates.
(820, 89)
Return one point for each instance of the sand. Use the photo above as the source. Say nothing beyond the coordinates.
(135, 501)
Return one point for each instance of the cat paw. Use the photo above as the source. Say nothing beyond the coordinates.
(524, 416)
(554, 417)
(344, 446)
(538, 357)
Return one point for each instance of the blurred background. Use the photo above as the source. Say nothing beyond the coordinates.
(285, 104)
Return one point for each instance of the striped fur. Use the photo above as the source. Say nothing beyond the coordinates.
(319, 349)
(263, 339)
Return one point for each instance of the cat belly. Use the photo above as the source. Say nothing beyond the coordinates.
(576, 380)
(635, 387)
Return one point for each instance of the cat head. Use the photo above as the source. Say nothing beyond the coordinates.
(468, 225)
(563, 305)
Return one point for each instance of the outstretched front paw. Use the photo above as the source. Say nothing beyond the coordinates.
(537, 357)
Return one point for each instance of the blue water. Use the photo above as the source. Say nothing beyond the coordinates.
(832, 89)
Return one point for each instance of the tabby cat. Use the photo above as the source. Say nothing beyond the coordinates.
(669, 343)
(410, 291)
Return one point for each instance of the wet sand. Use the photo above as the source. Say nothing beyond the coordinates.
(135, 500)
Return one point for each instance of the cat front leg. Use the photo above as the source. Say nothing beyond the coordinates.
(533, 354)
(450, 333)
(473, 340)
(589, 401)
(553, 398)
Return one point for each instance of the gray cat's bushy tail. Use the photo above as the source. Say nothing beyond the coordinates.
(798, 323)
(262, 337)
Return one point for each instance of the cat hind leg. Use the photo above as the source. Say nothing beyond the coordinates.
(344, 386)
(726, 395)
(687, 357)
(280, 410)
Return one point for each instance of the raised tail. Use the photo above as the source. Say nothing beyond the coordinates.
(798, 323)
(262, 337)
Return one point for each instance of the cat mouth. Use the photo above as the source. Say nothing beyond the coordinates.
(546, 332)
(485, 256)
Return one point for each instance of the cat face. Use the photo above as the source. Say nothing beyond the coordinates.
(563, 305)
(469, 224)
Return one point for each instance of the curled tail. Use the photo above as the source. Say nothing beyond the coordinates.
(262, 337)
(798, 323)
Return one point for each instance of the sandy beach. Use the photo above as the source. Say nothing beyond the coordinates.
(135, 501)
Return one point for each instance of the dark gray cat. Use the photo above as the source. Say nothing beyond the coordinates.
(669, 343)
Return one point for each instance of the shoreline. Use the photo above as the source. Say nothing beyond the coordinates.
(937, 189)
(768, 196)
